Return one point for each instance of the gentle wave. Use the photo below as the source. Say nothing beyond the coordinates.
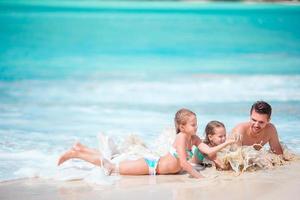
(176, 90)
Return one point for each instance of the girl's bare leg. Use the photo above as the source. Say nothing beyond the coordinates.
(133, 167)
(84, 153)
(80, 147)
(93, 158)
(128, 167)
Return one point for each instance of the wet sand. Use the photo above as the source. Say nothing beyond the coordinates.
(279, 183)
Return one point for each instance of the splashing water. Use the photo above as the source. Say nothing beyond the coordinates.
(247, 158)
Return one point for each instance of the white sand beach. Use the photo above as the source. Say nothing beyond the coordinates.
(279, 183)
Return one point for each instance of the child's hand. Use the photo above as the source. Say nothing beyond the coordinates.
(231, 140)
(237, 136)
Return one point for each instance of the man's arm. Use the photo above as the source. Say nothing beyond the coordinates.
(274, 141)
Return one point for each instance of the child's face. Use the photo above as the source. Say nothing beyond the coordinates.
(191, 126)
(219, 137)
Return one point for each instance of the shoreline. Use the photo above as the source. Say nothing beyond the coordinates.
(279, 183)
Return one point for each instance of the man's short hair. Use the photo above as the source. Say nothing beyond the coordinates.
(262, 107)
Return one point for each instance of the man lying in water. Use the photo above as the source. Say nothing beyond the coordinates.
(258, 131)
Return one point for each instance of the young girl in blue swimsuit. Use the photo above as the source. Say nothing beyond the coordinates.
(171, 163)
(215, 134)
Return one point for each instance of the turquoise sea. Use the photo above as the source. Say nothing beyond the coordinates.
(72, 69)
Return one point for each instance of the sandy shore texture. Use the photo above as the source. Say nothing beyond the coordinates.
(279, 183)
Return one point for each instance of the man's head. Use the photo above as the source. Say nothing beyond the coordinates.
(262, 107)
(260, 115)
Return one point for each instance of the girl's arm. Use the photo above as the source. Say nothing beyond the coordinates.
(180, 148)
(210, 151)
(235, 134)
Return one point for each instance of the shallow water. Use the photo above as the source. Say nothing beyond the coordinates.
(71, 70)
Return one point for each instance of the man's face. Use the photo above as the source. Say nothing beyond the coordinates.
(258, 121)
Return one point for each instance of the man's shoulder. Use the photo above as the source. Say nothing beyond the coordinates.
(242, 126)
(240, 129)
(271, 128)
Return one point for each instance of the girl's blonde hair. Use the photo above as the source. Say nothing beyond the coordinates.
(182, 117)
(210, 129)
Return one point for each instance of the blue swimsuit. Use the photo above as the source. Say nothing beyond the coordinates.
(190, 153)
(152, 161)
